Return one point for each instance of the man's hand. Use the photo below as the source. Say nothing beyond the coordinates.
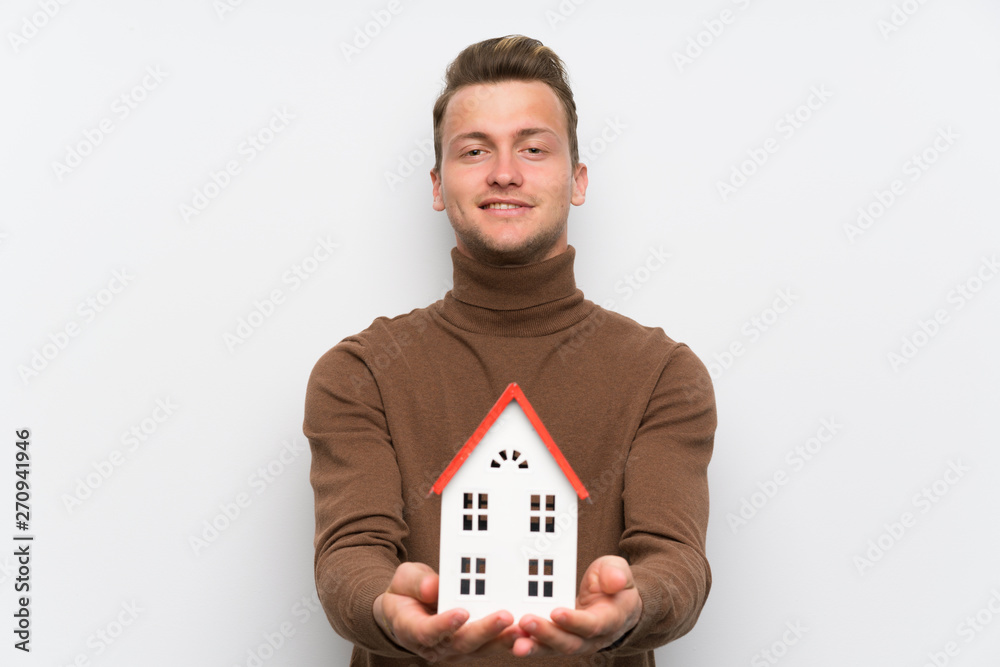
(607, 607)
(406, 613)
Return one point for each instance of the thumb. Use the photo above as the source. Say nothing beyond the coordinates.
(615, 575)
(415, 580)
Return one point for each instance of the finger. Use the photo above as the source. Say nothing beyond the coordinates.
(591, 580)
(551, 636)
(415, 580)
(588, 623)
(525, 646)
(478, 634)
(413, 624)
(492, 635)
(606, 576)
(613, 578)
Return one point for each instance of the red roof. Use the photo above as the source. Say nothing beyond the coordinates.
(511, 392)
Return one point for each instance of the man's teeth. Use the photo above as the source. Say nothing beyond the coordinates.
(501, 205)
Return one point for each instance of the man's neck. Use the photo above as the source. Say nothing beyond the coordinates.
(513, 258)
(535, 299)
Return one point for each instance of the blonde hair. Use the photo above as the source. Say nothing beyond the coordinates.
(510, 58)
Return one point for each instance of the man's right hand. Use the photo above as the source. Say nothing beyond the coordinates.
(406, 613)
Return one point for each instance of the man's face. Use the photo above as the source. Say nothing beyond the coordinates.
(506, 178)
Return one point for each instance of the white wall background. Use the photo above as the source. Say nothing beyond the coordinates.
(825, 551)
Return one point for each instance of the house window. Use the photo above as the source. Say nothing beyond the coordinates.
(540, 514)
(540, 575)
(473, 578)
(514, 458)
(474, 511)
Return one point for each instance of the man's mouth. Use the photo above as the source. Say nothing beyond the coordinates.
(499, 205)
(505, 207)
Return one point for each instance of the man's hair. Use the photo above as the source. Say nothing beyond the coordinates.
(510, 58)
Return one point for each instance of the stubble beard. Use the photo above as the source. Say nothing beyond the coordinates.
(531, 250)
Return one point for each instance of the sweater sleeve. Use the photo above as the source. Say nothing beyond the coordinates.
(666, 503)
(358, 497)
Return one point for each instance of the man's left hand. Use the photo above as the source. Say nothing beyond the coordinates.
(607, 607)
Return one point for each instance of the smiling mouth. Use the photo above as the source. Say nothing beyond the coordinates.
(501, 206)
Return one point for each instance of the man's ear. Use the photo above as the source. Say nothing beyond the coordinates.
(579, 184)
(438, 203)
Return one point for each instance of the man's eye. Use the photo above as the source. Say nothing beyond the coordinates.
(474, 150)
(535, 148)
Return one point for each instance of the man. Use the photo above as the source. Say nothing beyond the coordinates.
(632, 410)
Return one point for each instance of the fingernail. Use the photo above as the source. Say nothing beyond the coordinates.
(532, 627)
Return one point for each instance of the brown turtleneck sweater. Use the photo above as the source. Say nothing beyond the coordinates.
(632, 411)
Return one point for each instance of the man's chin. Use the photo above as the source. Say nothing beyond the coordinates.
(509, 254)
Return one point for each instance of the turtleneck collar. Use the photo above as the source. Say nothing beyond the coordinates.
(519, 301)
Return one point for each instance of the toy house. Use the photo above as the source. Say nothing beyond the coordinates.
(508, 517)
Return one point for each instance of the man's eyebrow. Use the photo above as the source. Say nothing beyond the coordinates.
(520, 134)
